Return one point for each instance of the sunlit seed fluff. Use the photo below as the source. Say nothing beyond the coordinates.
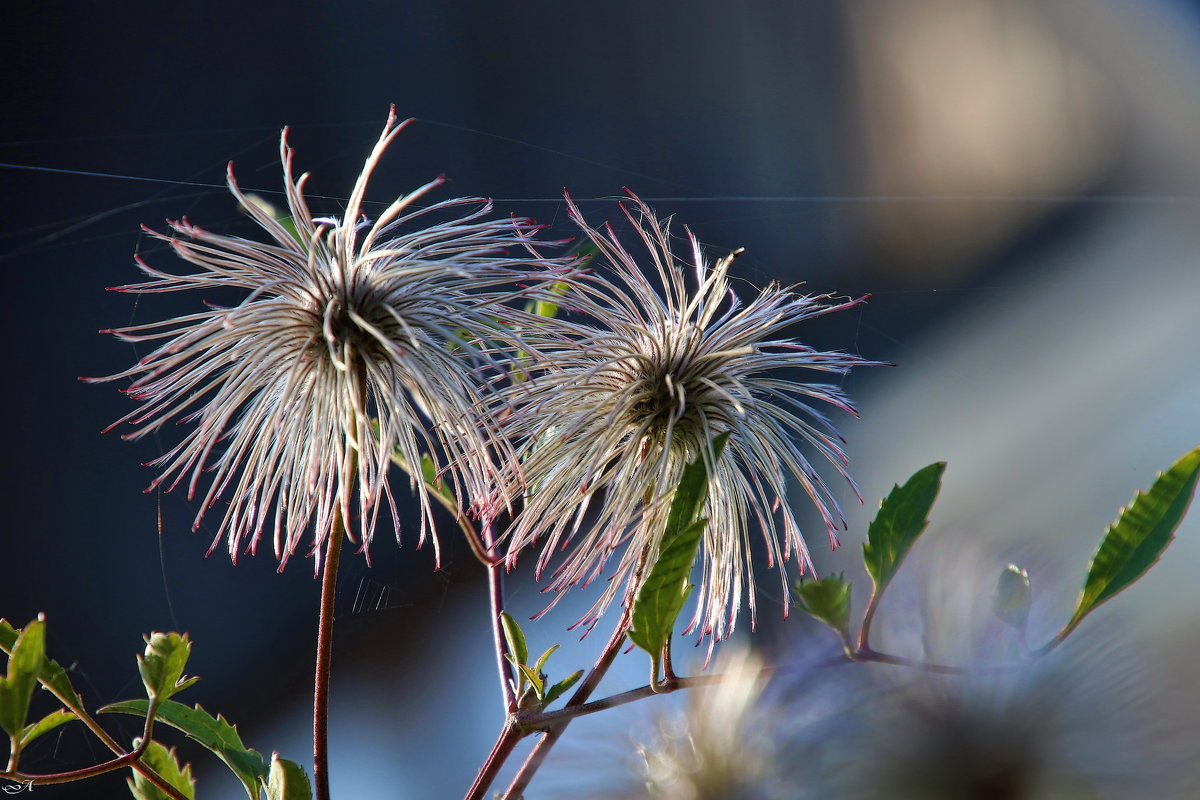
(355, 337)
(674, 359)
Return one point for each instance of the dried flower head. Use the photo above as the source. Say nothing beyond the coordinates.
(354, 338)
(624, 406)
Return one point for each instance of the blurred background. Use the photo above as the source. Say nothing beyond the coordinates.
(1015, 182)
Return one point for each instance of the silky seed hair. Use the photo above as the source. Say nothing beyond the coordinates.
(356, 340)
(671, 358)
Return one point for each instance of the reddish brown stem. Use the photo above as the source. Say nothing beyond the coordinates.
(333, 550)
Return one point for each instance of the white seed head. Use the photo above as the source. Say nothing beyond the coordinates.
(674, 359)
(355, 338)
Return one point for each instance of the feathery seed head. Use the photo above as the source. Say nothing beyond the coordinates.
(355, 339)
(675, 359)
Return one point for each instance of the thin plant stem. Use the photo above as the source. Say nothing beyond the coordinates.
(123, 759)
(496, 599)
(540, 750)
(864, 632)
(510, 734)
(333, 551)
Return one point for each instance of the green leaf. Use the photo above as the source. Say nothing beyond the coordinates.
(541, 662)
(288, 781)
(52, 675)
(556, 691)
(827, 599)
(1136, 541)
(215, 734)
(285, 220)
(534, 679)
(429, 474)
(162, 665)
(45, 725)
(902, 517)
(1011, 602)
(547, 308)
(166, 764)
(662, 593)
(24, 663)
(515, 639)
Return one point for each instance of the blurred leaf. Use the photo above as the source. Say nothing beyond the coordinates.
(661, 596)
(162, 665)
(166, 764)
(556, 691)
(45, 725)
(1011, 602)
(515, 638)
(434, 481)
(288, 781)
(53, 675)
(24, 663)
(547, 308)
(1136, 541)
(285, 220)
(215, 734)
(827, 599)
(902, 517)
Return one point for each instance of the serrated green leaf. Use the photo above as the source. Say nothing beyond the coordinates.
(215, 734)
(541, 662)
(902, 517)
(162, 664)
(828, 600)
(515, 638)
(1011, 603)
(45, 725)
(166, 764)
(557, 690)
(1136, 541)
(52, 674)
(288, 781)
(663, 591)
(24, 664)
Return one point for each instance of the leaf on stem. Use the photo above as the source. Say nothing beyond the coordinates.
(288, 781)
(52, 674)
(662, 593)
(1136, 541)
(25, 662)
(902, 516)
(45, 725)
(515, 638)
(828, 600)
(216, 734)
(541, 662)
(162, 665)
(535, 680)
(557, 690)
(166, 764)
